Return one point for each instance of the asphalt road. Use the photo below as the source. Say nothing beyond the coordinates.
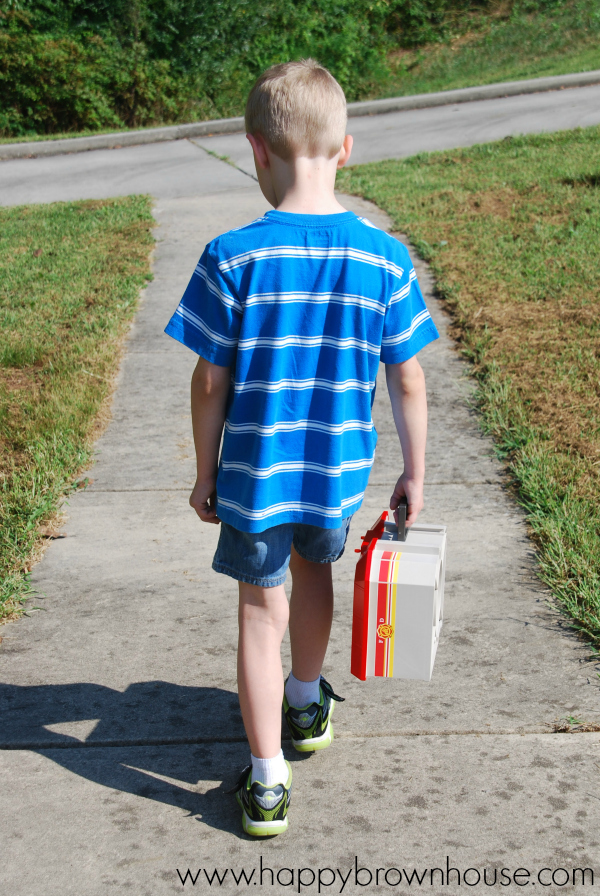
(177, 169)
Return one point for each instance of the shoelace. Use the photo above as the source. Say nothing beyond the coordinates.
(329, 691)
(241, 781)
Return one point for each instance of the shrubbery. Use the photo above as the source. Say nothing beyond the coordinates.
(68, 65)
(51, 84)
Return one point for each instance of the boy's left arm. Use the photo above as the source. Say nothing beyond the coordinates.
(407, 328)
(210, 388)
(406, 387)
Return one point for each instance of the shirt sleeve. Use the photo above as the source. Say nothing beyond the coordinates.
(208, 318)
(407, 326)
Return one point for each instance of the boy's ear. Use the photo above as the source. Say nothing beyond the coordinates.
(259, 146)
(345, 151)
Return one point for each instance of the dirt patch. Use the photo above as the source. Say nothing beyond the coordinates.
(499, 203)
(583, 180)
(539, 345)
(16, 380)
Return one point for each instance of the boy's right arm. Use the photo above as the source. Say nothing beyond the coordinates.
(406, 387)
(210, 388)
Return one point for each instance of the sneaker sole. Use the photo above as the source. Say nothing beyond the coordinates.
(263, 828)
(312, 744)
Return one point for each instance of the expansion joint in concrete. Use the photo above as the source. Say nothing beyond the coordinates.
(225, 159)
(239, 739)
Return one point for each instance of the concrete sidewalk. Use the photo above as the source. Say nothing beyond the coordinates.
(120, 723)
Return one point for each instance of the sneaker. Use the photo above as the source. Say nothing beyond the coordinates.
(310, 726)
(264, 809)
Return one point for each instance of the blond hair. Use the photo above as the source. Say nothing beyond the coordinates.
(299, 108)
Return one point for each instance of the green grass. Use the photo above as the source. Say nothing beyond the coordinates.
(70, 276)
(485, 49)
(512, 231)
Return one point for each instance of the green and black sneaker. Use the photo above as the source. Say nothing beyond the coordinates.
(264, 809)
(310, 726)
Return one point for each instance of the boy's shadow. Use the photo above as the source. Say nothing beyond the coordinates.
(165, 739)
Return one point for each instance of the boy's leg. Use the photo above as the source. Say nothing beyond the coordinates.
(311, 614)
(263, 619)
(308, 703)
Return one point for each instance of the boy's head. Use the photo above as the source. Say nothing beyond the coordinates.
(299, 109)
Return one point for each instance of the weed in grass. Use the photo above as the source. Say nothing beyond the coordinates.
(512, 231)
(64, 311)
(571, 725)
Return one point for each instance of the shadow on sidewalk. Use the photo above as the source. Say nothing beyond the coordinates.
(155, 740)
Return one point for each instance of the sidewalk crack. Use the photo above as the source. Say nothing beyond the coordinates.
(221, 158)
(238, 739)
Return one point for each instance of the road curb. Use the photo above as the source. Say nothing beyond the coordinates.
(236, 125)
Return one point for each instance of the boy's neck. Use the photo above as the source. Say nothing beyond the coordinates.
(300, 185)
(305, 186)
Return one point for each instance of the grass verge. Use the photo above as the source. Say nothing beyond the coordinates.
(70, 277)
(512, 231)
(501, 44)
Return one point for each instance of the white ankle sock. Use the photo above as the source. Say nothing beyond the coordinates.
(302, 693)
(269, 771)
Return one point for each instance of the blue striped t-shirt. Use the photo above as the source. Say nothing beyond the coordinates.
(302, 308)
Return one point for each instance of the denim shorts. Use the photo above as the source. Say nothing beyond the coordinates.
(262, 558)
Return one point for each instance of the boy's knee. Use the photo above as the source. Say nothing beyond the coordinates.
(268, 604)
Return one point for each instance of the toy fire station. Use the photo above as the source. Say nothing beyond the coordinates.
(398, 599)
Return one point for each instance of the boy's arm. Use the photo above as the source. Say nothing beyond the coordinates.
(406, 387)
(210, 388)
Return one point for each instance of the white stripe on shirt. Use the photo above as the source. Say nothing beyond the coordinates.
(310, 252)
(297, 467)
(200, 325)
(292, 506)
(308, 342)
(402, 337)
(313, 425)
(404, 291)
(315, 298)
(227, 299)
(279, 385)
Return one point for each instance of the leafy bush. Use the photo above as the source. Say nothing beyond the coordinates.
(68, 65)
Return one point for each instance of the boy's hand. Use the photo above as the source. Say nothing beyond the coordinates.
(203, 500)
(413, 491)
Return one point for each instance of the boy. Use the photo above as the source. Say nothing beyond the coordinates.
(290, 316)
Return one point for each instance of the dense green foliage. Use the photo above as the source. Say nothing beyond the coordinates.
(68, 65)
(87, 65)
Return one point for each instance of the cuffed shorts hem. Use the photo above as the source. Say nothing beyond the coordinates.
(271, 582)
(330, 559)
